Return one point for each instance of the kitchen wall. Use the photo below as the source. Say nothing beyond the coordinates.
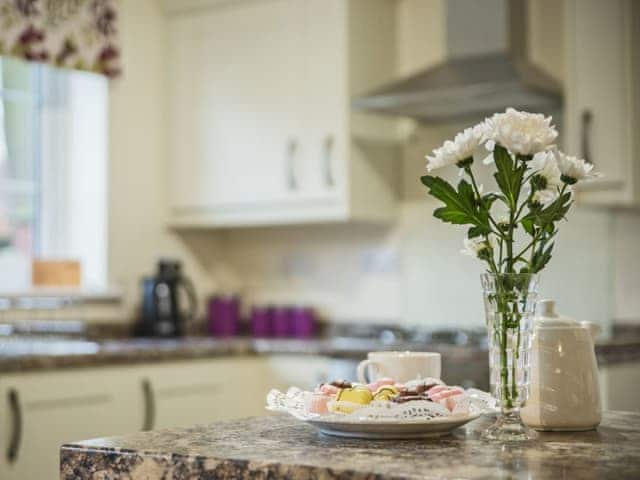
(409, 272)
(138, 235)
(412, 272)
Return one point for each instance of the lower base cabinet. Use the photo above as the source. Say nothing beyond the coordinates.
(42, 410)
(620, 387)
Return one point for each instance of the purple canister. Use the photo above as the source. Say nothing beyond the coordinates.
(303, 322)
(260, 322)
(224, 315)
(281, 321)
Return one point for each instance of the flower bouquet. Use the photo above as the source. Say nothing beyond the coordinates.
(512, 230)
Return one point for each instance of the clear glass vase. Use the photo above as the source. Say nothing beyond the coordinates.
(510, 301)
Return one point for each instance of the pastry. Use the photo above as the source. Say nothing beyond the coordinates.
(359, 395)
(386, 392)
(317, 403)
(374, 386)
(445, 395)
(410, 398)
(328, 389)
(341, 384)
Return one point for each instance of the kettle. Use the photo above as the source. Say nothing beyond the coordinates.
(161, 312)
(565, 391)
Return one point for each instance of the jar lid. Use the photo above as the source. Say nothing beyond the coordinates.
(547, 316)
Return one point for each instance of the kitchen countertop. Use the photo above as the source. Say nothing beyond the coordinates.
(282, 447)
(83, 353)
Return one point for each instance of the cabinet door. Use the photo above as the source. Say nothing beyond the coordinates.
(39, 412)
(248, 102)
(326, 100)
(598, 95)
(197, 392)
(620, 387)
(187, 183)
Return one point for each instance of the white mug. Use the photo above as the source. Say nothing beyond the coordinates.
(401, 366)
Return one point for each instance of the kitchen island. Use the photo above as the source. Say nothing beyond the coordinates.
(282, 447)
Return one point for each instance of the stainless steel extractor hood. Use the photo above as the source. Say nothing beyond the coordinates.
(486, 69)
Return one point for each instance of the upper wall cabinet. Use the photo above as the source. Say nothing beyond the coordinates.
(603, 96)
(260, 129)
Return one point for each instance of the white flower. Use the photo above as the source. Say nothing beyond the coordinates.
(574, 169)
(522, 133)
(474, 247)
(456, 150)
(544, 197)
(545, 166)
(503, 221)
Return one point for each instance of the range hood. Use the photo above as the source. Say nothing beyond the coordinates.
(486, 69)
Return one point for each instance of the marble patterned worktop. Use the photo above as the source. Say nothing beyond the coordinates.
(281, 447)
(52, 354)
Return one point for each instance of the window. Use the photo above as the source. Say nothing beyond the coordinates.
(53, 170)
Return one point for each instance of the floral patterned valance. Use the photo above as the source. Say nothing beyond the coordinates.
(79, 34)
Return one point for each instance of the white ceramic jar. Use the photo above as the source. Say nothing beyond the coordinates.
(565, 392)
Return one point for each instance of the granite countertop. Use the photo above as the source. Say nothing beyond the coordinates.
(84, 353)
(282, 447)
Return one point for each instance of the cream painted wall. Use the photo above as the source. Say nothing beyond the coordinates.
(409, 272)
(412, 272)
(138, 136)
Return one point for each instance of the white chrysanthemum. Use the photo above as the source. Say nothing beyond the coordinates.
(574, 169)
(545, 166)
(545, 197)
(503, 221)
(456, 150)
(523, 133)
(473, 247)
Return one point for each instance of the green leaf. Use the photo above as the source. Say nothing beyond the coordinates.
(528, 225)
(508, 175)
(461, 206)
(540, 258)
(489, 198)
(475, 232)
(546, 218)
(554, 212)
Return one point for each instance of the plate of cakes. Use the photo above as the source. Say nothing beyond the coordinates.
(384, 409)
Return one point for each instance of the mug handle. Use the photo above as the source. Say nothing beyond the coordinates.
(362, 369)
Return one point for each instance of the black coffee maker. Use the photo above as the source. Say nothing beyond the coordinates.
(161, 312)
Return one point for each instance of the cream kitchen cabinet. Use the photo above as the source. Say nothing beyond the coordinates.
(40, 411)
(620, 387)
(260, 128)
(192, 392)
(602, 78)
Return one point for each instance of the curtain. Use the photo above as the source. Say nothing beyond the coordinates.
(78, 34)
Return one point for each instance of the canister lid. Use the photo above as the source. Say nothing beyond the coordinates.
(547, 308)
(547, 316)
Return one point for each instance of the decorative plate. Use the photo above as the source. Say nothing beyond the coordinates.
(386, 420)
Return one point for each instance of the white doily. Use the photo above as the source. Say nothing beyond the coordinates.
(471, 402)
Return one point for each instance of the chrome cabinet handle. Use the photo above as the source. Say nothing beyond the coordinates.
(149, 406)
(328, 170)
(16, 426)
(585, 135)
(292, 149)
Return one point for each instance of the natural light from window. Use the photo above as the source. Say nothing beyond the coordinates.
(53, 171)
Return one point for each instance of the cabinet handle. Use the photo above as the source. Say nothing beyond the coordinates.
(292, 148)
(16, 426)
(328, 170)
(149, 406)
(587, 119)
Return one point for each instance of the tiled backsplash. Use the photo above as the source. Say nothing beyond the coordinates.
(413, 273)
